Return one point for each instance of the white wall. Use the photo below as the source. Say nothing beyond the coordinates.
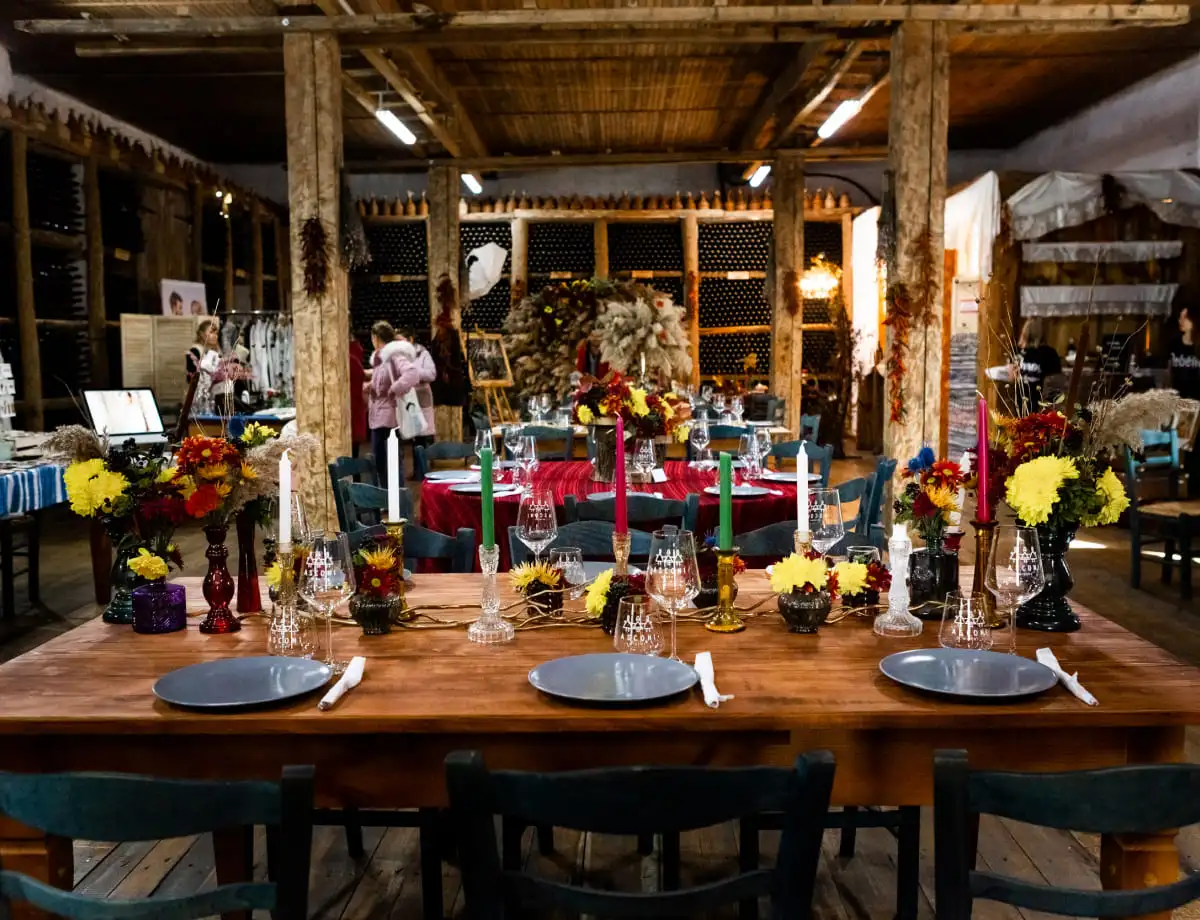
(1154, 124)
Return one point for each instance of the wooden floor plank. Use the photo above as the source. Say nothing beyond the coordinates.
(88, 855)
(101, 882)
(192, 873)
(144, 879)
(334, 874)
(393, 868)
(1055, 854)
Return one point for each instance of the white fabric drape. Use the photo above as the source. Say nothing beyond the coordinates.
(865, 236)
(1173, 195)
(1091, 253)
(1101, 300)
(972, 224)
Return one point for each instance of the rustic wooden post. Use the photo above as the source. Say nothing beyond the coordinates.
(847, 263)
(519, 282)
(787, 345)
(443, 264)
(97, 318)
(691, 289)
(313, 95)
(197, 231)
(283, 266)
(31, 358)
(600, 245)
(917, 135)
(229, 275)
(256, 255)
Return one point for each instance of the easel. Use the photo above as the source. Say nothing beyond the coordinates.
(484, 351)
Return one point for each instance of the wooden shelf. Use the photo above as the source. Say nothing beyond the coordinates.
(52, 239)
(561, 276)
(389, 279)
(818, 327)
(213, 269)
(645, 274)
(734, 275)
(707, 214)
(64, 323)
(732, 330)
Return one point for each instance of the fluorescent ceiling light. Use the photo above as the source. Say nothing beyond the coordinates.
(842, 114)
(760, 175)
(395, 125)
(472, 183)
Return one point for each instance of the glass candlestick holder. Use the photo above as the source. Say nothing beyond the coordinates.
(725, 619)
(491, 628)
(395, 530)
(803, 542)
(621, 544)
(289, 633)
(897, 621)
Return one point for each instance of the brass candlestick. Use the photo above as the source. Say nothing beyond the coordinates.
(726, 619)
(621, 543)
(985, 533)
(803, 541)
(289, 633)
(395, 530)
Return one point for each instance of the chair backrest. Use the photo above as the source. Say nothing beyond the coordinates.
(639, 509)
(819, 454)
(594, 538)
(810, 428)
(552, 443)
(772, 542)
(351, 469)
(441, 455)
(423, 543)
(638, 801)
(854, 490)
(124, 809)
(1160, 449)
(360, 504)
(1119, 800)
(723, 438)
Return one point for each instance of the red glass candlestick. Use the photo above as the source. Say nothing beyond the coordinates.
(249, 598)
(218, 584)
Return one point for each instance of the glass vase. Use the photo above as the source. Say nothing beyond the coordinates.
(803, 613)
(1049, 611)
(218, 583)
(373, 614)
(725, 619)
(124, 581)
(159, 608)
(932, 574)
(249, 598)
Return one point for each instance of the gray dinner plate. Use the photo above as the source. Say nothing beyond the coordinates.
(740, 491)
(968, 675)
(476, 488)
(789, 478)
(453, 475)
(613, 678)
(601, 496)
(236, 682)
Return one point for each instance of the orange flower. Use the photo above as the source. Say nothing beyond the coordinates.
(204, 500)
(196, 452)
(223, 489)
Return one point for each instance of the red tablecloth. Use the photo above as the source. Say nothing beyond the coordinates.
(446, 511)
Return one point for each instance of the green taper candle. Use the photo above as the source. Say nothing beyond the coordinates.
(726, 534)
(485, 483)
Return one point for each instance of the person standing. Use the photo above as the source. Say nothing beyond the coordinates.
(208, 334)
(1183, 360)
(391, 376)
(418, 355)
(1038, 361)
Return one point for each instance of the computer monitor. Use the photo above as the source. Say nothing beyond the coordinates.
(124, 414)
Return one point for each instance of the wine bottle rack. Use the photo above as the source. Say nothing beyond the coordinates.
(55, 194)
(645, 246)
(725, 353)
(212, 241)
(59, 286)
(473, 235)
(561, 247)
(66, 360)
(404, 304)
(489, 311)
(739, 246)
(672, 286)
(121, 294)
(820, 352)
(398, 249)
(725, 302)
(119, 212)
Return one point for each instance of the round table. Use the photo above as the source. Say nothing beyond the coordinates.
(446, 511)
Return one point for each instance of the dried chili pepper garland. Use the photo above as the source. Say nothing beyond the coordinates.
(314, 248)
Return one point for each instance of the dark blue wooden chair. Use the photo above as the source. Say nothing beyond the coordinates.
(125, 809)
(360, 504)
(637, 801)
(853, 490)
(423, 543)
(552, 443)
(594, 538)
(1119, 800)
(723, 438)
(1174, 524)
(872, 532)
(772, 542)
(441, 455)
(643, 510)
(819, 455)
(810, 428)
(350, 469)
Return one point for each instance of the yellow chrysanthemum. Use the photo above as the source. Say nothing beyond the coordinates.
(92, 487)
(585, 415)
(223, 489)
(187, 485)
(528, 573)
(1034, 486)
(682, 432)
(148, 566)
(851, 577)
(249, 473)
(383, 558)
(637, 400)
(1109, 487)
(256, 434)
(668, 412)
(213, 471)
(943, 498)
(166, 474)
(274, 575)
(597, 594)
(796, 571)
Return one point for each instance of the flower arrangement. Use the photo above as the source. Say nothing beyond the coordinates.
(930, 497)
(806, 573)
(646, 415)
(377, 567)
(605, 593)
(540, 583)
(860, 584)
(647, 331)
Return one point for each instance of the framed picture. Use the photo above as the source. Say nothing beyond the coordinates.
(183, 298)
(487, 361)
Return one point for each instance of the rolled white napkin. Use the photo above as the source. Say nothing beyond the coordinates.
(704, 668)
(350, 679)
(658, 475)
(1070, 681)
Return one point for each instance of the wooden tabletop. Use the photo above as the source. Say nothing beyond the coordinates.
(98, 678)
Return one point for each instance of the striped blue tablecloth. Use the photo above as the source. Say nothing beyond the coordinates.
(22, 491)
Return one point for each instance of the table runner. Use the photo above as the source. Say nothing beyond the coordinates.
(26, 490)
(446, 511)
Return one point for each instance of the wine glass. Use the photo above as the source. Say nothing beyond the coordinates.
(637, 631)
(825, 519)
(537, 525)
(965, 622)
(748, 454)
(672, 574)
(863, 554)
(700, 435)
(545, 404)
(532, 405)
(643, 458)
(718, 402)
(483, 438)
(326, 580)
(736, 408)
(512, 436)
(1014, 572)
(763, 434)
(569, 561)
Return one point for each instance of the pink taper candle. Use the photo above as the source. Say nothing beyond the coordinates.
(983, 513)
(622, 519)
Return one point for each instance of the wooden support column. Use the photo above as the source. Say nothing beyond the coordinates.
(691, 289)
(313, 96)
(917, 133)
(600, 244)
(443, 264)
(283, 267)
(31, 358)
(197, 231)
(519, 283)
(229, 276)
(256, 255)
(97, 318)
(787, 346)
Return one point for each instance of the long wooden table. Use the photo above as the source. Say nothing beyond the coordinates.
(83, 701)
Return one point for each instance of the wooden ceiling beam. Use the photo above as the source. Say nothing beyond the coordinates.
(875, 87)
(787, 82)
(817, 97)
(1021, 15)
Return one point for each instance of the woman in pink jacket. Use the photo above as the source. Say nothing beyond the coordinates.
(391, 377)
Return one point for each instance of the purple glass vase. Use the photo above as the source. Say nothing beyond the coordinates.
(159, 608)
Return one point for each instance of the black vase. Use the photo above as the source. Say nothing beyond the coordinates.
(803, 613)
(373, 614)
(1050, 611)
(932, 574)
